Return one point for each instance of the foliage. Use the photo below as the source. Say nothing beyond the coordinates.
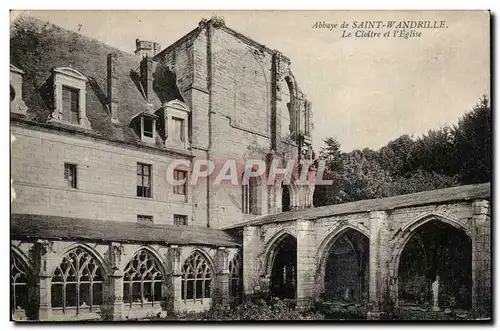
(351, 312)
(443, 157)
(252, 309)
(30, 42)
(473, 144)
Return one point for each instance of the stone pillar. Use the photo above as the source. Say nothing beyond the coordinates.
(251, 249)
(481, 258)
(222, 285)
(114, 297)
(42, 253)
(306, 263)
(380, 302)
(175, 300)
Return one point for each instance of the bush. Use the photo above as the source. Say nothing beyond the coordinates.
(252, 308)
(335, 312)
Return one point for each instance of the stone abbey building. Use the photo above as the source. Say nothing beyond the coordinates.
(98, 233)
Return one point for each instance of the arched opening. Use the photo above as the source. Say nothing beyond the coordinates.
(435, 268)
(142, 280)
(285, 197)
(284, 268)
(77, 283)
(19, 279)
(196, 278)
(235, 276)
(346, 267)
(249, 195)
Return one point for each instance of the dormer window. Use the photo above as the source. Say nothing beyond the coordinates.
(178, 129)
(148, 126)
(145, 124)
(70, 97)
(173, 124)
(71, 105)
(17, 105)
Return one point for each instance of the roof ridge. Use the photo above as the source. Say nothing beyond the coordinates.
(461, 187)
(76, 228)
(471, 191)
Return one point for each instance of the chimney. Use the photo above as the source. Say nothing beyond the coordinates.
(145, 48)
(146, 69)
(112, 87)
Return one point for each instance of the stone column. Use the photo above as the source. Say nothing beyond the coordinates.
(481, 258)
(306, 263)
(251, 249)
(42, 253)
(380, 302)
(114, 298)
(175, 300)
(222, 267)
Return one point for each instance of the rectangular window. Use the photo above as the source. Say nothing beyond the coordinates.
(145, 219)
(182, 188)
(148, 127)
(71, 105)
(249, 198)
(70, 175)
(144, 180)
(180, 220)
(178, 128)
(245, 204)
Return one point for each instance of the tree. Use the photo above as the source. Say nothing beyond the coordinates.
(363, 177)
(443, 157)
(434, 152)
(421, 180)
(396, 156)
(473, 144)
(30, 43)
(331, 154)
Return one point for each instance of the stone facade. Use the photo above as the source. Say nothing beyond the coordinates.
(106, 179)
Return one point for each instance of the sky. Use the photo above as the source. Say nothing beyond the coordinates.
(364, 91)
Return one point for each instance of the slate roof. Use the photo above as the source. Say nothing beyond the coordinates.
(26, 226)
(37, 47)
(458, 193)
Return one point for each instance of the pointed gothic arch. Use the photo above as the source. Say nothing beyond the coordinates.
(197, 276)
(77, 282)
(20, 273)
(143, 278)
(281, 264)
(431, 243)
(343, 264)
(236, 274)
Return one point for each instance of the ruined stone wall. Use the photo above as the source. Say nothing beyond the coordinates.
(388, 231)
